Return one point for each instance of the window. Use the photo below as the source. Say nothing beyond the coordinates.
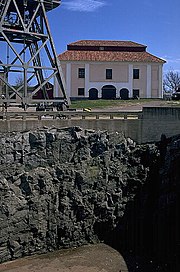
(80, 91)
(135, 73)
(135, 93)
(108, 73)
(101, 48)
(81, 73)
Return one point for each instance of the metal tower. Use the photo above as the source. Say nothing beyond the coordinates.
(28, 61)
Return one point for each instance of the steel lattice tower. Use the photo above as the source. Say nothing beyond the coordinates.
(30, 52)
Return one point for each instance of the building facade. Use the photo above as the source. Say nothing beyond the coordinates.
(111, 69)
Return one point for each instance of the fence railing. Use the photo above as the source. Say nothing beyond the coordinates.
(71, 115)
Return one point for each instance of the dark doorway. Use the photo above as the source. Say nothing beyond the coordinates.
(108, 92)
(124, 94)
(93, 94)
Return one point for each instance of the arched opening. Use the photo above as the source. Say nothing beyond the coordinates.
(108, 92)
(93, 94)
(124, 94)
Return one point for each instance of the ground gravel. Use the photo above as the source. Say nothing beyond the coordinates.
(88, 258)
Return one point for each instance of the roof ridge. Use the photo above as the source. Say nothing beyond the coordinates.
(92, 42)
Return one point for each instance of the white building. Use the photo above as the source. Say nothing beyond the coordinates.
(111, 69)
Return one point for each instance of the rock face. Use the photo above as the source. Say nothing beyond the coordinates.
(69, 187)
(62, 188)
(150, 226)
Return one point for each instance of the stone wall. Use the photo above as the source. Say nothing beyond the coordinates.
(142, 127)
(159, 120)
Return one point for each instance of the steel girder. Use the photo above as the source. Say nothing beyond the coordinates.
(30, 56)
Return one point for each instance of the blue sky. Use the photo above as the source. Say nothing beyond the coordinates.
(154, 23)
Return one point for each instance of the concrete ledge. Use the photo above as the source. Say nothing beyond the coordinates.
(142, 126)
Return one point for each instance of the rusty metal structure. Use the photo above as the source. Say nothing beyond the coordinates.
(29, 63)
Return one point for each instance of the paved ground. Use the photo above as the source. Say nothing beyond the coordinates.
(129, 106)
(92, 258)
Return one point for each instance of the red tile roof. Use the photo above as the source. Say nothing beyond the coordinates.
(75, 55)
(107, 43)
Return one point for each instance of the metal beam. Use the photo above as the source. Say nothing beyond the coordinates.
(29, 40)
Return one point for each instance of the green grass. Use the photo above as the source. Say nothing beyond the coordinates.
(102, 103)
